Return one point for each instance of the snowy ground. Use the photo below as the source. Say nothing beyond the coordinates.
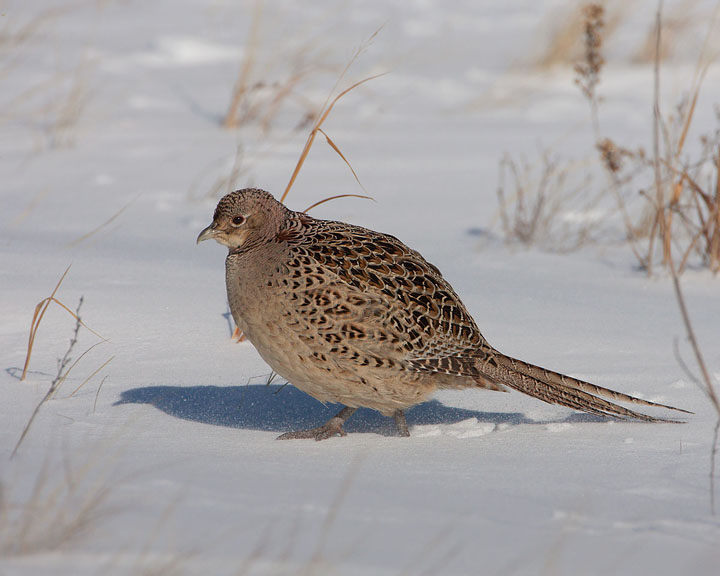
(172, 467)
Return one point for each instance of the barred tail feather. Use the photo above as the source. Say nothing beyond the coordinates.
(556, 388)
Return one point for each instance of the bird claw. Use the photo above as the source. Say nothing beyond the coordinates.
(333, 427)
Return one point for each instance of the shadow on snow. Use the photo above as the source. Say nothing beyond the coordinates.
(282, 408)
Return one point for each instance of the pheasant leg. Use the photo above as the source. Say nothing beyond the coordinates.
(333, 427)
(401, 423)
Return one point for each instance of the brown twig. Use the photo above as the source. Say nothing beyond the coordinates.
(708, 387)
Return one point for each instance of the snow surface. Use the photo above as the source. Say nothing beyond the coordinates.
(177, 448)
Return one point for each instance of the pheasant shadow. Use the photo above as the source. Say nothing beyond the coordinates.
(279, 408)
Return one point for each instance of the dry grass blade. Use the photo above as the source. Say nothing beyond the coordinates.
(266, 84)
(659, 218)
(664, 217)
(701, 68)
(241, 86)
(316, 129)
(301, 161)
(328, 199)
(709, 389)
(67, 372)
(706, 382)
(325, 112)
(691, 246)
(691, 108)
(564, 38)
(715, 239)
(97, 393)
(98, 228)
(64, 307)
(93, 374)
(62, 373)
(334, 147)
(335, 100)
(40, 310)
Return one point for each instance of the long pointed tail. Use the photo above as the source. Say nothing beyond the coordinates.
(556, 388)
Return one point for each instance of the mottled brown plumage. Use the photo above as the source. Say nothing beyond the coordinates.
(355, 317)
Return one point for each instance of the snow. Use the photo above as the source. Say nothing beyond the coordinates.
(172, 464)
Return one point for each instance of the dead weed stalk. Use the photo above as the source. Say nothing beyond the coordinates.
(681, 206)
(66, 363)
(587, 71)
(64, 369)
(568, 31)
(704, 382)
(325, 112)
(40, 309)
(66, 109)
(678, 23)
(542, 205)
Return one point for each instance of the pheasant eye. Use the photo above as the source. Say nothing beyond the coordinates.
(238, 220)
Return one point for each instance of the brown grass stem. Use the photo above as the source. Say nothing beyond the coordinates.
(707, 385)
(97, 393)
(658, 218)
(93, 374)
(38, 315)
(316, 128)
(337, 150)
(101, 226)
(328, 199)
(241, 86)
(57, 381)
(70, 368)
(709, 389)
(40, 310)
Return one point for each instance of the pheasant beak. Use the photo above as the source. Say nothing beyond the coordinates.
(209, 232)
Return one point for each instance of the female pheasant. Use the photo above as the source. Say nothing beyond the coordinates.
(355, 317)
